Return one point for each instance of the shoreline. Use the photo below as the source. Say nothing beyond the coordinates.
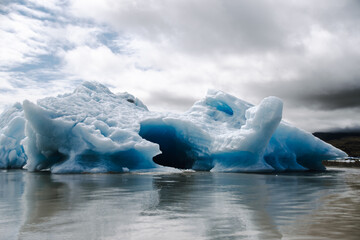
(350, 162)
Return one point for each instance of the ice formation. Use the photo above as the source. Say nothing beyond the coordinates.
(89, 130)
(12, 125)
(95, 130)
(223, 133)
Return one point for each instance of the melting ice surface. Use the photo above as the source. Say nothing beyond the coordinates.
(95, 130)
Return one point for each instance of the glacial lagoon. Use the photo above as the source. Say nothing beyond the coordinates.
(186, 205)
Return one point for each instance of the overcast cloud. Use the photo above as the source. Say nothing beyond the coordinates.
(168, 53)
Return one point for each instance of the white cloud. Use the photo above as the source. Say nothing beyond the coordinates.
(21, 39)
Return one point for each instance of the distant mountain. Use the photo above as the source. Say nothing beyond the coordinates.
(347, 141)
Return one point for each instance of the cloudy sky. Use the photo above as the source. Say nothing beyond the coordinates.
(169, 52)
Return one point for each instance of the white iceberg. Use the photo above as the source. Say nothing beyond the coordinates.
(89, 130)
(12, 125)
(95, 130)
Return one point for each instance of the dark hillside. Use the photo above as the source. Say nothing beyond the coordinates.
(349, 142)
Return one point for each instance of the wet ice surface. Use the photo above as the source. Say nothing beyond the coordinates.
(196, 205)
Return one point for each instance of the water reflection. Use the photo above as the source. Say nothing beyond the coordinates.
(81, 206)
(11, 190)
(182, 205)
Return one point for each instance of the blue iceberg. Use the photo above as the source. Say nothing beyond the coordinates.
(95, 130)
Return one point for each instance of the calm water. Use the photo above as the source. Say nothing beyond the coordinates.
(180, 206)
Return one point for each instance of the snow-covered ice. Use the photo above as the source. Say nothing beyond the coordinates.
(12, 125)
(95, 130)
(89, 130)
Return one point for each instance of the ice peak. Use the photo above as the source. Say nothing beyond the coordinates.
(90, 87)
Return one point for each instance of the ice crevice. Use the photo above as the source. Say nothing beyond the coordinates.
(94, 130)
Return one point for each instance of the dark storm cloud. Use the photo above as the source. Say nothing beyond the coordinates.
(312, 96)
(343, 98)
(329, 82)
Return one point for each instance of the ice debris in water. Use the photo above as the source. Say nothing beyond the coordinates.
(95, 130)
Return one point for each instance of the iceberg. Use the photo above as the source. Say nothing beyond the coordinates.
(225, 134)
(94, 130)
(89, 130)
(12, 124)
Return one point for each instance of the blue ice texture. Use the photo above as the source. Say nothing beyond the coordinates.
(93, 130)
